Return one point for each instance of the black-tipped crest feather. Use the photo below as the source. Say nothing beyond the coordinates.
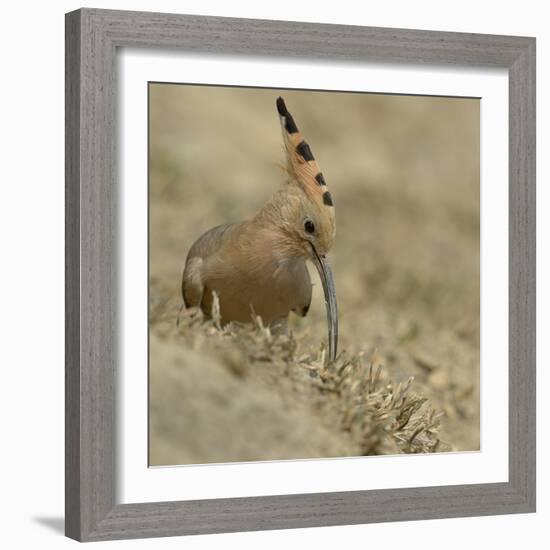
(327, 198)
(305, 151)
(301, 164)
(290, 125)
(320, 179)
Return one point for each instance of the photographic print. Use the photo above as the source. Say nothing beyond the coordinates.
(314, 274)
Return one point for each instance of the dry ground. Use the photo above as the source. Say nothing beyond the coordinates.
(404, 175)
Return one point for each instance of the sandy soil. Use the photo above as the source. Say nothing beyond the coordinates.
(404, 175)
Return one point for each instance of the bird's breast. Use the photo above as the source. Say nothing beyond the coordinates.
(250, 281)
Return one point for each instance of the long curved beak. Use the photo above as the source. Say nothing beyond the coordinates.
(325, 273)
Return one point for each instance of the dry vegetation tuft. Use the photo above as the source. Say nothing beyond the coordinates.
(360, 410)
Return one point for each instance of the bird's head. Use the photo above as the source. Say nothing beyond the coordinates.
(306, 223)
(305, 210)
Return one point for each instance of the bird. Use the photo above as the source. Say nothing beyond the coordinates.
(258, 266)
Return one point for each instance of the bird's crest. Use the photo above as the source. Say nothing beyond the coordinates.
(301, 164)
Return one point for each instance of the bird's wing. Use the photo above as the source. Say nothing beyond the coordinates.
(192, 287)
(204, 249)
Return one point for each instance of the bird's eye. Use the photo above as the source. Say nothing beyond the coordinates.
(309, 226)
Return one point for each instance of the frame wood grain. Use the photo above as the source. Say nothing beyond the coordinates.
(92, 39)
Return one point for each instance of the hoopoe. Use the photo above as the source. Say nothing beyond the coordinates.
(259, 266)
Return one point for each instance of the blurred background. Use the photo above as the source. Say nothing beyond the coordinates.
(404, 175)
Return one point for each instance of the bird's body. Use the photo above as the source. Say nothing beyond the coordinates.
(258, 267)
(241, 263)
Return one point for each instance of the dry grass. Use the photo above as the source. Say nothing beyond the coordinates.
(358, 409)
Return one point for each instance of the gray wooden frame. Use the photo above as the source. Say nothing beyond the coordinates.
(92, 39)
